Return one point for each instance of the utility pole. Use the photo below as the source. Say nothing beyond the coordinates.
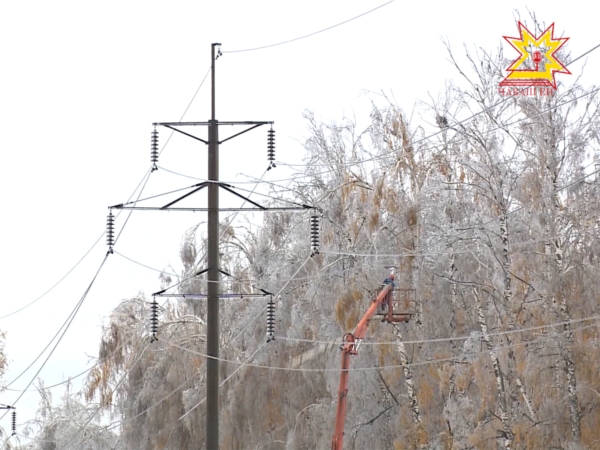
(213, 268)
(212, 322)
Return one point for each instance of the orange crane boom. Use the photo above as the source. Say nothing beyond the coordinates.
(350, 347)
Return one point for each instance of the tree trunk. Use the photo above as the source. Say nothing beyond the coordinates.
(497, 371)
(408, 377)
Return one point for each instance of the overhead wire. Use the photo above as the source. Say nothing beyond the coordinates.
(376, 368)
(310, 34)
(57, 384)
(228, 182)
(461, 122)
(452, 338)
(125, 375)
(58, 282)
(251, 321)
(145, 180)
(66, 326)
(514, 211)
(77, 264)
(87, 370)
(426, 138)
(226, 379)
(178, 388)
(144, 265)
(71, 316)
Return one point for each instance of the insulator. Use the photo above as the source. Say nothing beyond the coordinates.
(270, 320)
(14, 422)
(271, 148)
(153, 320)
(154, 149)
(110, 231)
(314, 235)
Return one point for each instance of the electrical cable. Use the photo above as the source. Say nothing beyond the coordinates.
(226, 379)
(87, 370)
(58, 282)
(73, 268)
(154, 405)
(265, 307)
(441, 131)
(272, 182)
(72, 315)
(426, 138)
(100, 407)
(451, 339)
(144, 265)
(66, 326)
(311, 34)
(74, 312)
(188, 107)
(57, 384)
(581, 56)
(375, 368)
(485, 224)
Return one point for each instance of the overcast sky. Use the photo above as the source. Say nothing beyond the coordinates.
(82, 83)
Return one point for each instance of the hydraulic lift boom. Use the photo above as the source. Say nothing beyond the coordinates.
(383, 302)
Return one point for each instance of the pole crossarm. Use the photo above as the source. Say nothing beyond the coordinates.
(172, 125)
(197, 187)
(204, 296)
(263, 209)
(191, 124)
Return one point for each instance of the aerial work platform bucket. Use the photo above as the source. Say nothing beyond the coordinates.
(398, 306)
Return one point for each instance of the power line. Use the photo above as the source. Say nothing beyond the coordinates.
(57, 384)
(100, 407)
(440, 131)
(67, 274)
(178, 388)
(581, 56)
(228, 182)
(58, 282)
(426, 138)
(71, 317)
(251, 321)
(66, 326)
(485, 224)
(310, 34)
(367, 369)
(78, 262)
(144, 181)
(144, 265)
(226, 379)
(452, 339)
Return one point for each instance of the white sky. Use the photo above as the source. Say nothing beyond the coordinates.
(82, 82)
